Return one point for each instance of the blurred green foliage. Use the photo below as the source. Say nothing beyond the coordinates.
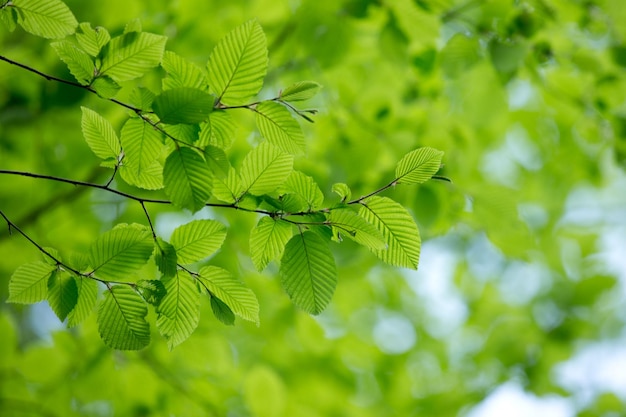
(526, 99)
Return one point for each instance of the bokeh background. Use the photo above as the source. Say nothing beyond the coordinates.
(518, 305)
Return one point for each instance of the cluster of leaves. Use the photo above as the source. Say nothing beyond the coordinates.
(177, 141)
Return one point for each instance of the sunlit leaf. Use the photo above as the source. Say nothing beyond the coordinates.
(50, 19)
(92, 40)
(79, 63)
(300, 91)
(342, 190)
(239, 298)
(348, 223)
(418, 166)
(308, 273)
(238, 64)
(105, 87)
(218, 130)
(279, 127)
(397, 227)
(264, 169)
(183, 105)
(129, 56)
(178, 313)
(268, 240)
(118, 253)
(182, 73)
(121, 319)
(228, 189)
(142, 146)
(304, 187)
(187, 179)
(8, 18)
(197, 240)
(29, 283)
(100, 135)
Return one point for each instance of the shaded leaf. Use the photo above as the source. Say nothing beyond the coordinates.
(183, 105)
(105, 87)
(221, 311)
(350, 224)
(62, 294)
(152, 290)
(121, 319)
(239, 298)
(304, 187)
(87, 295)
(92, 40)
(165, 257)
(187, 179)
(218, 130)
(178, 313)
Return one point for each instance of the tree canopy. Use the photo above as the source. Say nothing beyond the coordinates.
(452, 220)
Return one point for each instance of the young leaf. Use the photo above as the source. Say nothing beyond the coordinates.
(217, 161)
(300, 91)
(152, 290)
(279, 127)
(238, 64)
(183, 105)
(197, 240)
(87, 294)
(79, 63)
(100, 135)
(187, 179)
(397, 227)
(62, 294)
(308, 272)
(265, 169)
(268, 240)
(239, 298)
(178, 313)
(165, 257)
(342, 190)
(129, 56)
(50, 19)
(221, 311)
(142, 146)
(116, 254)
(29, 283)
(218, 130)
(350, 224)
(8, 18)
(182, 73)
(150, 177)
(105, 87)
(121, 319)
(92, 40)
(228, 189)
(304, 187)
(142, 98)
(418, 166)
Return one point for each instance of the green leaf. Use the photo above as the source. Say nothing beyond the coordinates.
(300, 91)
(121, 319)
(187, 179)
(418, 166)
(133, 26)
(29, 283)
(197, 240)
(304, 187)
(308, 272)
(79, 63)
(50, 19)
(152, 290)
(129, 56)
(121, 251)
(8, 18)
(183, 105)
(142, 98)
(397, 227)
(239, 298)
(165, 257)
(217, 161)
(228, 189)
(105, 87)
(268, 240)
(62, 294)
(238, 64)
(222, 312)
(142, 146)
(350, 224)
(184, 133)
(182, 73)
(342, 190)
(87, 295)
(178, 313)
(149, 178)
(265, 169)
(278, 126)
(218, 130)
(92, 40)
(100, 135)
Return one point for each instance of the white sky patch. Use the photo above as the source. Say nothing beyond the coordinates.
(511, 400)
(394, 333)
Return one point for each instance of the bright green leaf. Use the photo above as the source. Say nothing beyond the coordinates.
(152, 290)
(142, 146)
(8, 18)
(342, 190)
(279, 127)
(268, 240)
(87, 295)
(178, 313)
(79, 63)
(304, 187)
(29, 283)
(218, 130)
(238, 64)
(105, 87)
(197, 240)
(100, 135)
(182, 73)
(183, 105)
(92, 40)
(187, 179)
(397, 227)
(228, 189)
(50, 19)
(129, 56)
(149, 178)
(348, 223)
(300, 91)
(265, 169)
(418, 166)
(239, 298)
(142, 98)
(308, 272)
(121, 319)
(121, 251)
(62, 294)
